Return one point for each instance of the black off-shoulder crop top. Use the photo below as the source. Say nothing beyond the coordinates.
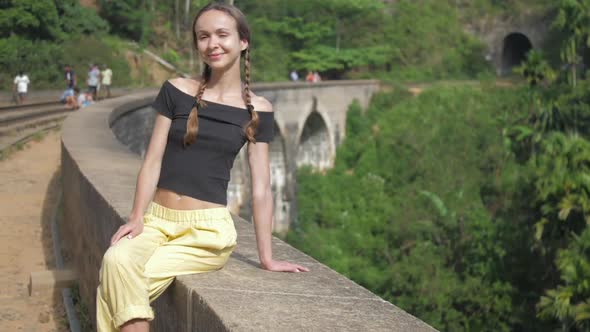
(202, 169)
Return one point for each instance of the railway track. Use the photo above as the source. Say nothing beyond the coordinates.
(20, 123)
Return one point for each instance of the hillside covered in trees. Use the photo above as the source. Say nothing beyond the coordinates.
(467, 206)
(389, 40)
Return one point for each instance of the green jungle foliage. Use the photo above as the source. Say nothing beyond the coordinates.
(468, 207)
(41, 36)
(130, 18)
(363, 38)
(553, 150)
(397, 40)
(406, 210)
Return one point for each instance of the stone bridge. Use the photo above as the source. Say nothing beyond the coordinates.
(310, 122)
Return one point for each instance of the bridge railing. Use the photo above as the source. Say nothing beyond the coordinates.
(98, 177)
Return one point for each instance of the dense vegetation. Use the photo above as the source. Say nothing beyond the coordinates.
(393, 40)
(402, 212)
(467, 206)
(40, 36)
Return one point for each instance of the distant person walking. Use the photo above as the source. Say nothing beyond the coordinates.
(70, 76)
(21, 85)
(93, 80)
(294, 76)
(107, 77)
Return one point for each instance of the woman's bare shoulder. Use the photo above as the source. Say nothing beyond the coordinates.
(186, 85)
(261, 104)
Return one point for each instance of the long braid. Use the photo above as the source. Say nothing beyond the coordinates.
(252, 125)
(192, 125)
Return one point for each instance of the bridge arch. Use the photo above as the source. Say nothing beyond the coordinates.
(315, 147)
(515, 48)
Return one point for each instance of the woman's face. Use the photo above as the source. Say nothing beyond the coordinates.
(218, 41)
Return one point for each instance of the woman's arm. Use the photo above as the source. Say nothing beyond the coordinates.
(262, 200)
(147, 179)
(262, 207)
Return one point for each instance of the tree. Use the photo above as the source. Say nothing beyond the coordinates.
(536, 69)
(402, 212)
(129, 18)
(569, 303)
(33, 19)
(573, 19)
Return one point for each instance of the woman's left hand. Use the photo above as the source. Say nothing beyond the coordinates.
(283, 266)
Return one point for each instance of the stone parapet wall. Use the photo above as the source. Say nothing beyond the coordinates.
(99, 174)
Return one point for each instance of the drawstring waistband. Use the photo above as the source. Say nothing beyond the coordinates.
(165, 213)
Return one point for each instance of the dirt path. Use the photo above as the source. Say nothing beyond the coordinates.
(29, 183)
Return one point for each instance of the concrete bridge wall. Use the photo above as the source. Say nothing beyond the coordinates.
(99, 174)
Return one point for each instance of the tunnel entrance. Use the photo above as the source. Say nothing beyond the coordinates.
(314, 144)
(514, 51)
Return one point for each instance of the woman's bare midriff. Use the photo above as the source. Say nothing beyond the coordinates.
(175, 201)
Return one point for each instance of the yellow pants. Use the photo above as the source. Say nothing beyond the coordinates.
(136, 271)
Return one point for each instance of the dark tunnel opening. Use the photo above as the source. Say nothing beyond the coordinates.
(514, 51)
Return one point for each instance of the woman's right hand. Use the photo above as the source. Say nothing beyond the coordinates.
(131, 229)
(283, 266)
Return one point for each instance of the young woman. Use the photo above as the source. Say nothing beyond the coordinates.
(180, 223)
